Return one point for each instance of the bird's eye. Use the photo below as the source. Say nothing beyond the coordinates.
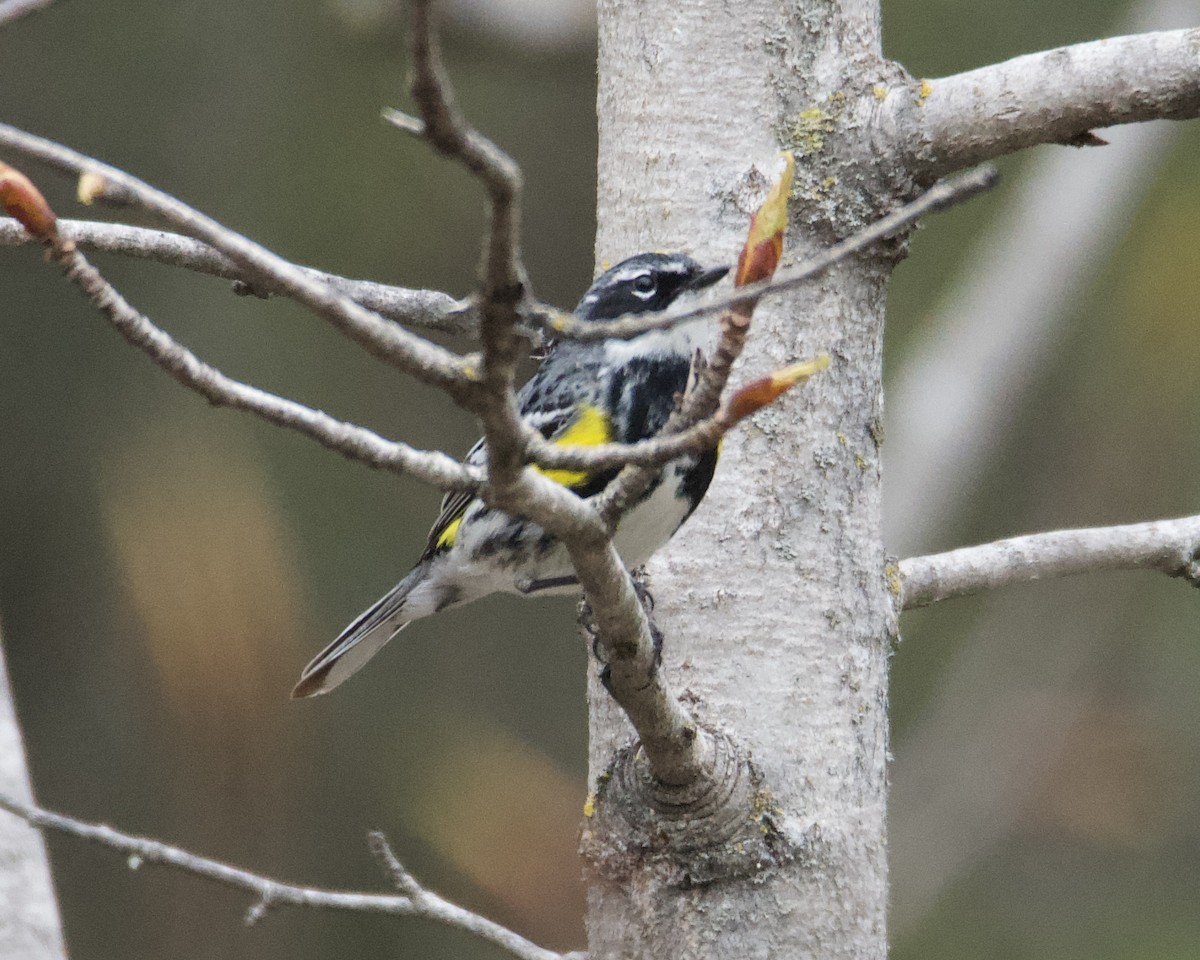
(644, 285)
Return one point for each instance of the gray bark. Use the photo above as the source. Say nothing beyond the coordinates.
(781, 643)
(29, 919)
(776, 603)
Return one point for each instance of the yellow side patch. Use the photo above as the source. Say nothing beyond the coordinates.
(447, 537)
(590, 429)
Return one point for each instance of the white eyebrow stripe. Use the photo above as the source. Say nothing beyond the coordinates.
(630, 273)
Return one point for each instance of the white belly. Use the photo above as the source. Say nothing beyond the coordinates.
(650, 524)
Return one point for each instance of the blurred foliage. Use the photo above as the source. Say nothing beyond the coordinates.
(167, 569)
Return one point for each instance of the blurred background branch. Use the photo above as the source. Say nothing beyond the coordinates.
(11, 10)
(952, 395)
(1002, 416)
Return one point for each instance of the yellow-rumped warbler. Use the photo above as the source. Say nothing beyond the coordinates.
(585, 394)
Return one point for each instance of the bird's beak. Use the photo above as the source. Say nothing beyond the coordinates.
(706, 278)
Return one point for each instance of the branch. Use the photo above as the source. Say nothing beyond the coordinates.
(415, 356)
(940, 196)
(502, 280)
(677, 750)
(350, 440)
(414, 901)
(19, 197)
(673, 744)
(1168, 546)
(421, 308)
(447, 131)
(1056, 96)
(954, 395)
(11, 10)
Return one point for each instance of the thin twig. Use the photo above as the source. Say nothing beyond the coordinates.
(444, 128)
(272, 893)
(351, 441)
(940, 196)
(1168, 546)
(396, 872)
(652, 452)
(696, 419)
(414, 355)
(431, 309)
(11, 10)
(502, 276)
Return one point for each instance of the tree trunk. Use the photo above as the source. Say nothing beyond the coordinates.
(29, 920)
(774, 601)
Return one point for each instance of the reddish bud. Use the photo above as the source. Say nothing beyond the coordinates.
(766, 390)
(764, 244)
(23, 202)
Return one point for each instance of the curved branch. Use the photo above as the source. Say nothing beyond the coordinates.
(414, 901)
(1168, 546)
(351, 441)
(417, 357)
(503, 284)
(1056, 96)
(420, 308)
(444, 127)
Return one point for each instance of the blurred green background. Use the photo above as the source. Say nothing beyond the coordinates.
(167, 569)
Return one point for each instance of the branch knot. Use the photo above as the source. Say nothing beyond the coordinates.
(718, 826)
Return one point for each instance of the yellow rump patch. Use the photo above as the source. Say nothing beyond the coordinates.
(590, 429)
(447, 537)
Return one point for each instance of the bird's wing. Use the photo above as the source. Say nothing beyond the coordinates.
(559, 401)
(454, 505)
(564, 401)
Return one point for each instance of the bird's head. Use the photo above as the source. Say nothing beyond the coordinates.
(644, 284)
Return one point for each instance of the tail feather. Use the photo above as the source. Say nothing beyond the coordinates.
(359, 642)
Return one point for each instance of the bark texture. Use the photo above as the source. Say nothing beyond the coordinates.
(29, 920)
(781, 643)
